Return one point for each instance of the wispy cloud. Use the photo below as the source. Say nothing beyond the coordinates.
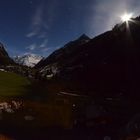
(31, 34)
(37, 18)
(40, 26)
(32, 47)
(44, 43)
(38, 47)
(43, 19)
(37, 23)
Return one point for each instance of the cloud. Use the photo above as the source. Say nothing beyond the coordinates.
(44, 43)
(38, 17)
(32, 47)
(43, 19)
(38, 46)
(37, 23)
(43, 46)
(31, 34)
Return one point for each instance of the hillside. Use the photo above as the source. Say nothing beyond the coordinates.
(107, 63)
(4, 57)
(64, 52)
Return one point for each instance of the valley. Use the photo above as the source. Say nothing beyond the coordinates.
(87, 89)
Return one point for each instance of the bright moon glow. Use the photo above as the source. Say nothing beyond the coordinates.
(126, 17)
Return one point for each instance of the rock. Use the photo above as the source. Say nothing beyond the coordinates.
(9, 110)
(107, 138)
(29, 118)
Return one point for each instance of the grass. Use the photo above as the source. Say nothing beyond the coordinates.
(50, 110)
(12, 84)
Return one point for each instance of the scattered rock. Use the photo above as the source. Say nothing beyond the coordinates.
(9, 110)
(29, 118)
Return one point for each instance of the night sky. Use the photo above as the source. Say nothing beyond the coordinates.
(41, 26)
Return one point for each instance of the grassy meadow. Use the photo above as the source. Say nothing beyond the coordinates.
(12, 84)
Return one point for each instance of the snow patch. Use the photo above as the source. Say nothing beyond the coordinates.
(29, 60)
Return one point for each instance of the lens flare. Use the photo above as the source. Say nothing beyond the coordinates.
(126, 17)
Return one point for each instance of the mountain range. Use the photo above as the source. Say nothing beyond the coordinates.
(29, 60)
(107, 63)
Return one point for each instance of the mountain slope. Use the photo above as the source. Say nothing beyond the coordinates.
(29, 60)
(4, 57)
(108, 63)
(64, 52)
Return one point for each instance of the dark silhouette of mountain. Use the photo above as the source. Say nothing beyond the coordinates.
(4, 57)
(107, 63)
(64, 52)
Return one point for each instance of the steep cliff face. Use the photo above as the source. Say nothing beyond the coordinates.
(4, 57)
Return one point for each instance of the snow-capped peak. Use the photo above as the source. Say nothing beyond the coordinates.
(29, 60)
